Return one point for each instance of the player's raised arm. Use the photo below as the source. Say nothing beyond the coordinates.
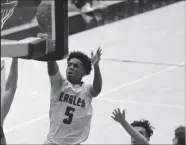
(96, 87)
(52, 68)
(10, 89)
(54, 74)
(120, 118)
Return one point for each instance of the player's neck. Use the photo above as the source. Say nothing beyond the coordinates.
(76, 83)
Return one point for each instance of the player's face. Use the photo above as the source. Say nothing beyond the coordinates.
(142, 131)
(175, 141)
(75, 70)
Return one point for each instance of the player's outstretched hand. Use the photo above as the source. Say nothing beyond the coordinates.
(118, 116)
(42, 35)
(96, 58)
(51, 43)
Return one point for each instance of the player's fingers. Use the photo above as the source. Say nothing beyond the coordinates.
(98, 50)
(124, 111)
(92, 54)
(119, 111)
(114, 113)
(99, 55)
(113, 117)
(42, 35)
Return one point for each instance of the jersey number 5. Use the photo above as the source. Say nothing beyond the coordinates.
(69, 113)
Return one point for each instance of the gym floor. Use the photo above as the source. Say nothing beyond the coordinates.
(143, 69)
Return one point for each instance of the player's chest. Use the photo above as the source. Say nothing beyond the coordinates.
(72, 96)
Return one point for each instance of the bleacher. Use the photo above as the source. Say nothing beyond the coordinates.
(19, 25)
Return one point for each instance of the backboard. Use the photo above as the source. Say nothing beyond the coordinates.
(25, 25)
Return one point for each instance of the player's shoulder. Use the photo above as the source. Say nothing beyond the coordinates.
(86, 88)
(85, 85)
(82, 86)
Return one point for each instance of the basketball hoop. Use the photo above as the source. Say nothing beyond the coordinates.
(7, 9)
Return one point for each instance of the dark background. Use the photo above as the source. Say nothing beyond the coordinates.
(26, 10)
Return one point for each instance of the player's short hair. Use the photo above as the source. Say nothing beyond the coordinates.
(180, 135)
(145, 124)
(83, 58)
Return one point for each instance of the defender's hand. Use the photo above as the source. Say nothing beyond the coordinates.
(118, 116)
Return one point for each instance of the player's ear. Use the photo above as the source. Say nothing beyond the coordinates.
(83, 71)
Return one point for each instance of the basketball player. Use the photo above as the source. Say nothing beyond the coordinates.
(140, 131)
(3, 77)
(70, 102)
(8, 95)
(179, 138)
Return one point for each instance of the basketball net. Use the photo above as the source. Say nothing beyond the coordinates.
(7, 9)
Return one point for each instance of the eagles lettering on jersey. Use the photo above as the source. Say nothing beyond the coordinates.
(72, 99)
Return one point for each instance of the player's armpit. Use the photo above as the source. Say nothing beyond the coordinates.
(56, 80)
(92, 91)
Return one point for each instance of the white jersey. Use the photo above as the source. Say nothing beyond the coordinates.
(70, 112)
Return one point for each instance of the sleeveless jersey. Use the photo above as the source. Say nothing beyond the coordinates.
(70, 112)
